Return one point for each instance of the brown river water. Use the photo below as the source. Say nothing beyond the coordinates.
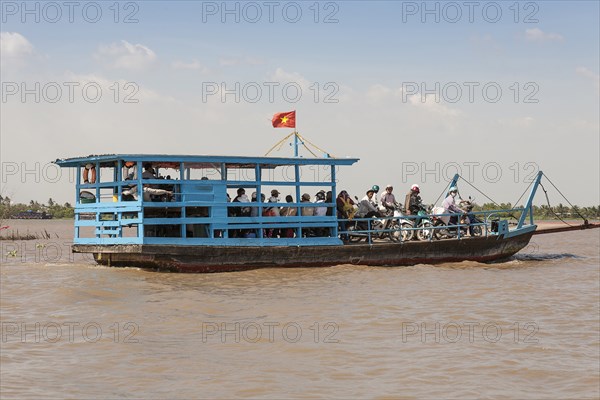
(524, 328)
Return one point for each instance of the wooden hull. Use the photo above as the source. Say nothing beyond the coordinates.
(222, 258)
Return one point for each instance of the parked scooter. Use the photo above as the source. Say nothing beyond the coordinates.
(468, 221)
(424, 224)
(378, 227)
(400, 225)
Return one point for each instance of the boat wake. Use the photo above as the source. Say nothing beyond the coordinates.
(543, 256)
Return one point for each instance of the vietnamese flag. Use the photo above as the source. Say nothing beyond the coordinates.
(285, 120)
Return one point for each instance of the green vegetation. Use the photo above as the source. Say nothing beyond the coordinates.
(545, 212)
(8, 209)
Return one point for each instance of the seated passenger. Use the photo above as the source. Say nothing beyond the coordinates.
(288, 212)
(450, 206)
(307, 211)
(367, 207)
(388, 200)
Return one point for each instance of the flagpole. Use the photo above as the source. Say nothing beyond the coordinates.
(295, 143)
(295, 136)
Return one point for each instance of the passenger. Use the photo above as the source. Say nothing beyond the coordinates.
(321, 212)
(151, 193)
(272, 211)
(367, 207)
(375, 189)
(345, 210)
(450, 206)
(307, 212)
(288, 212)
(388, 200)
(412, 202)
(241, 198)
(240, 212)
(253, 209)
(149, 172)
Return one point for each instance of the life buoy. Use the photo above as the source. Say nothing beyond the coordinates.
(89, 173)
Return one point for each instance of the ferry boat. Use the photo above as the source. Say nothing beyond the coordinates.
(184, 222)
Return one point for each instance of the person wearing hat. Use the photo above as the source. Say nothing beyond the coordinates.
(306, 211)
(272, 211)
(450, 206)
(388, 200)
(412, 203)
(367, 208)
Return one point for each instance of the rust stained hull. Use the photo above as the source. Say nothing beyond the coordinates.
(222, 259)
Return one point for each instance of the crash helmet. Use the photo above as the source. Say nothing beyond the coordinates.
(320, 195)
(452, 189)
(375, 188)
(415, 188)
(390, 186)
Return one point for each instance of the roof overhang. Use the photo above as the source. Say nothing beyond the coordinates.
(200, 161)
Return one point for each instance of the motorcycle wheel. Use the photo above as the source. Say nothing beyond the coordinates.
(476, 230)
(425, 231)
(440, 233)
(406, 234)
(353, 238)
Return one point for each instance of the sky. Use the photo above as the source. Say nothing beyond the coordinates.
(416, 90)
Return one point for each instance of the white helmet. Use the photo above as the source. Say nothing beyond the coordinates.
(389, 187)
(414, 187)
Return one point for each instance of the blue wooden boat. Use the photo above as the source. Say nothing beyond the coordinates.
(176, 216)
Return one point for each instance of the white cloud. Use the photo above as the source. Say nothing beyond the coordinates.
(286, 77)
(14, 48)
(125, 55)
(431, 105)
(586, 73)
(194, 65)
(379, 93)
(537, 35)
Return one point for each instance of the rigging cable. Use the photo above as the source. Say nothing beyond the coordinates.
(567, 200)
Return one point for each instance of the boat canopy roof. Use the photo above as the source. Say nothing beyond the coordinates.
(201, 161)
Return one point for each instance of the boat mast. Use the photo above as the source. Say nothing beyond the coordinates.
(528, 206)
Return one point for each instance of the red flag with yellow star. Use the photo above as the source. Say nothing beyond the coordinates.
(285, 119)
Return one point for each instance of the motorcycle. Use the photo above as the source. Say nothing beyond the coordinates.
(400, 226)
(379, 228)
(469, 218)
(423, 222)
(468, 221)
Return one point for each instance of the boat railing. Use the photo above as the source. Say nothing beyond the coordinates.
(488, 226)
